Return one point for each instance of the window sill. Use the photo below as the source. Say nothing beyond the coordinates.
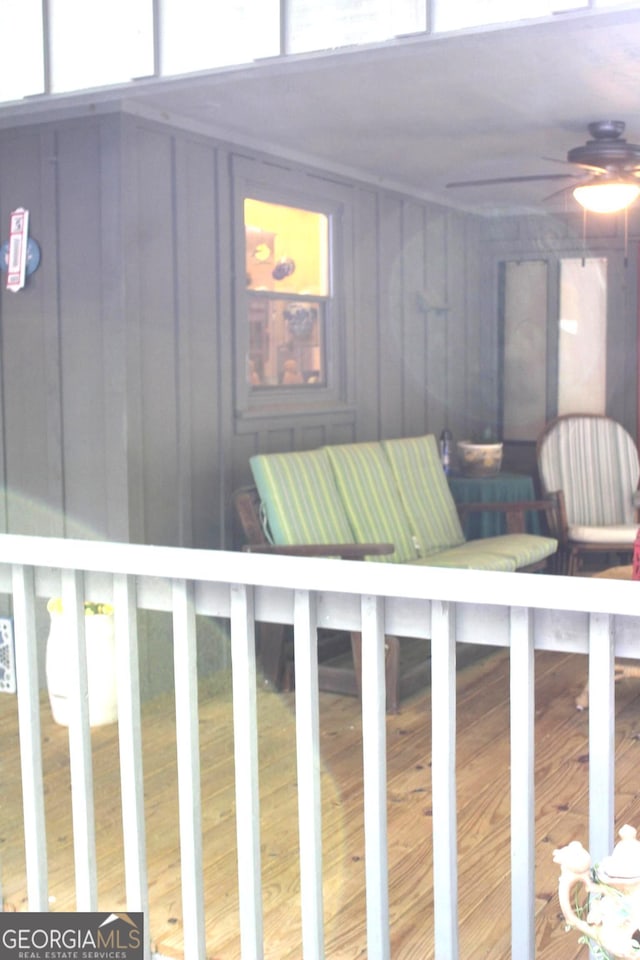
(284, 413)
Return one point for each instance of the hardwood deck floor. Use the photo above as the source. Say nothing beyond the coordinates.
(483, 758)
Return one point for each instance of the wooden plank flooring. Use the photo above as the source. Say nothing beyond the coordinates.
(483, 788)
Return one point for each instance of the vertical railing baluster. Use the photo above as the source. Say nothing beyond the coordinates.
(374, 750)
(84, 833)
(443, 779)
(245, 737)
(188, 755)
(601, 735)
(522, 731)
(28, 690)
(308, 767)
(130, 742)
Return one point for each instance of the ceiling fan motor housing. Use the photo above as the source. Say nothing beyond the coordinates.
(608, 150)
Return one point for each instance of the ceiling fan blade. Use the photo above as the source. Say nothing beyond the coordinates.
(484, 183)
(581, 166)
(558, 193)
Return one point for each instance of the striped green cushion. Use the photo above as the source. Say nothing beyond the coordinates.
(300, 499)
(470, 556)
(371, 499)
(521, 548)
(509, 552)
(348, 493)
(594, 461)
(424, 491)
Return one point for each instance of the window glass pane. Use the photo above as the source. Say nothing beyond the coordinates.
(583, 330)
(21, 49)
(456, 14)
(200, 36)
(287, 249)
(286, 342)
(287, 277)
(525, 349)
(94, 44)
(322, 24)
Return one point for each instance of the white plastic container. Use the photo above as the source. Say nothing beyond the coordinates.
(101, 666)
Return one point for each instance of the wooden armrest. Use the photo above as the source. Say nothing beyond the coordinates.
(557, 516)
(517, 506)
(345, 551)
(514, 512)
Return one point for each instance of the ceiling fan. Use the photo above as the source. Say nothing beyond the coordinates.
(609, 166)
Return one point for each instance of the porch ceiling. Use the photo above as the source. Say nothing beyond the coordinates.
(416, 113)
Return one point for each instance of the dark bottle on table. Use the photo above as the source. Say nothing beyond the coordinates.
(445, 450)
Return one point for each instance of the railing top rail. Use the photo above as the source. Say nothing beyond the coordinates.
(537, 591)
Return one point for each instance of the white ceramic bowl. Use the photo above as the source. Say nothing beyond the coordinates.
(479, 459)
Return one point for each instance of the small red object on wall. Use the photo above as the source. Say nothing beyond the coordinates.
(635, 572)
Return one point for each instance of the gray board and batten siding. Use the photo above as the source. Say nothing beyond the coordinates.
(124, 409)
(123, 412)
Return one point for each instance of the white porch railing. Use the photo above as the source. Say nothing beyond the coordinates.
(521, 611)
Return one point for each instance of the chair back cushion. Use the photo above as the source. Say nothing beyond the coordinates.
(299, 498)
(424, 492)
(594, 461)
(371, 499)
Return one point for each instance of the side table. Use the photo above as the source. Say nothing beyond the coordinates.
(502, 488)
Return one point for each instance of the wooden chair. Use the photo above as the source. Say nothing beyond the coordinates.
(381, 500)
(590, 464)
(273, 646)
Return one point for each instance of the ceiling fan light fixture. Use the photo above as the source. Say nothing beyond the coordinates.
(604, 195)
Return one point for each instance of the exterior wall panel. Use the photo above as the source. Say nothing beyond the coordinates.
(118, 359)
(85, 446)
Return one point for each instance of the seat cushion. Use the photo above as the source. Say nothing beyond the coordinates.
(469, 556)
(424, 492)
(299, 498)
(523, 548)
(619, 534)
(510, 551)
(371, 499)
